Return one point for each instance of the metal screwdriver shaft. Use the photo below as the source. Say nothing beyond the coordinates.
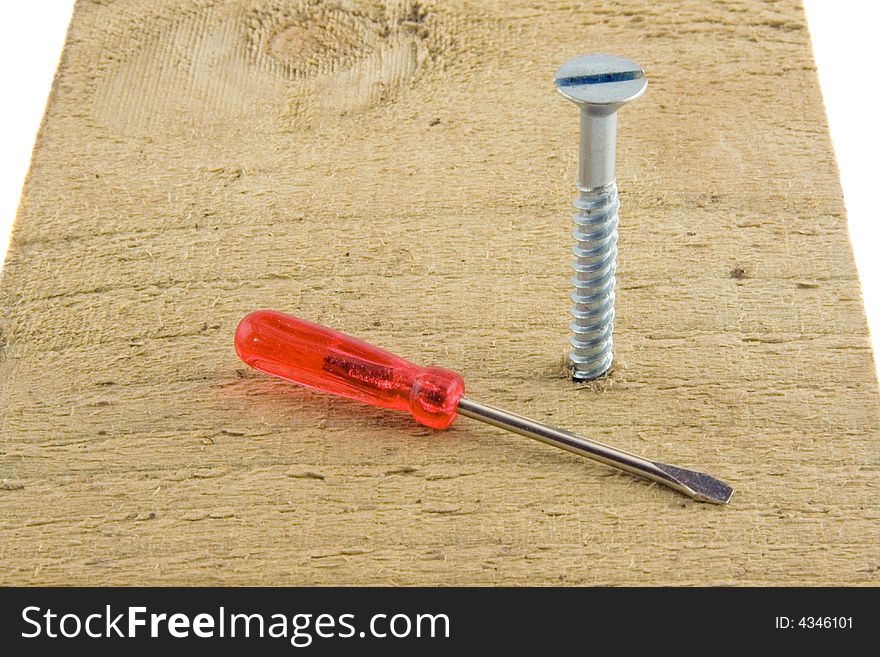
(697, 485)
(321, 358)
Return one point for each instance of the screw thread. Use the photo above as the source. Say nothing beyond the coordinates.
(595, 267)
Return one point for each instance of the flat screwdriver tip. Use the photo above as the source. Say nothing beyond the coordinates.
(698, 485)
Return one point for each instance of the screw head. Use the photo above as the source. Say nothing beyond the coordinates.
(604, 81)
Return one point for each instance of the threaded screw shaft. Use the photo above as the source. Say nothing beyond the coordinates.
(595, 266)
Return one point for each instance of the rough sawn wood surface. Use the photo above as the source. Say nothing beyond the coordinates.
(404, 171)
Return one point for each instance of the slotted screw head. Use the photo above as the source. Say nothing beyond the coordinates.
(599, 85)
(603, 81)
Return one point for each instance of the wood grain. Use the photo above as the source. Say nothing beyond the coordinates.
(403, 171)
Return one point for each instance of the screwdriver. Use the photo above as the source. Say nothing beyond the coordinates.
(324, 359)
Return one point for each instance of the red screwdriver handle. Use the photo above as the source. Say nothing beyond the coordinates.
(321, 358)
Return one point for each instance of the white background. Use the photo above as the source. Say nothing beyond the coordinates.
(845, 42)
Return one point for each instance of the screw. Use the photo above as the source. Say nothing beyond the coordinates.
(599, 85)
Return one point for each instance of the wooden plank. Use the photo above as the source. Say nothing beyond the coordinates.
(403, 171)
